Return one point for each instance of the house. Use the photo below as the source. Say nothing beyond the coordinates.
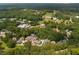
(76, 16)
(14, 38)
(47, 16)
(53, 42)
(41, 26)
(6, 31)
(12, 19)
(1, 21)
(44, 41)
(29, 21)
(68, 21)
(20, 22)
(36, 43)
(68, 33)
(2, 34)
(24, 26)
(54, 18)
(24, 20)
(56, 29)
(24, 9)
(34, 40)
(20, 40)
(54, 12)
(37, 12)
(40, 42)
(31, 38)
(3, 18)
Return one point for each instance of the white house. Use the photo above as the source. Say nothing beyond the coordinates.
(44, 41)
(53, 42)
(76, 16)
(24, 26)
(2, 34)
(12, 19)
(54, 18)
(3, 18)
(68, 33)
(20, 40)
(42, 26)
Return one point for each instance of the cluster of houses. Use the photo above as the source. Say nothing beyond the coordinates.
(33, 38)
(56, 20)
(3, 33)
(12, 19)
(35, 41)
(28, 26)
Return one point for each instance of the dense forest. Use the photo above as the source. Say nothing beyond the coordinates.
(39, 29)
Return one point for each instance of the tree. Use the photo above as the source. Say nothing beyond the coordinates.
(28, 47)
(11, 43)
(1, 48)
